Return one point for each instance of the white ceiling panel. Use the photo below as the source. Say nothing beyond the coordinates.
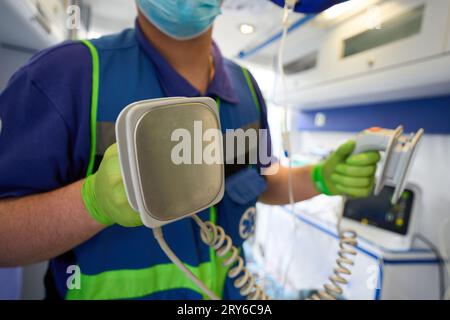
(109, 16)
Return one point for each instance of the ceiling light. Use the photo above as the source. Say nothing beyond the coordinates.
(246, 28)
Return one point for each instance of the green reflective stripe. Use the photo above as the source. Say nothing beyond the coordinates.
(218, 105)
(131, 284)
(213, 257)
(252, 89)
(218, 270)
(94, 103)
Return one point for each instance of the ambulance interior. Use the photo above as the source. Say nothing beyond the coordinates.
(357, 65)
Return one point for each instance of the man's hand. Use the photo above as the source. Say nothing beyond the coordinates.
(346, 174)
(104, 194)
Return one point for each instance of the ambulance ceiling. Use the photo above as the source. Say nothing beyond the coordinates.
(114, 15)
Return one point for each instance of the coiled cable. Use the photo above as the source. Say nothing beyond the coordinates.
(216, 238)
(345, 260)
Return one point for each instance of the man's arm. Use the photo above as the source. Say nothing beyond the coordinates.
(342, 173)
(277, 192)
(39, 227)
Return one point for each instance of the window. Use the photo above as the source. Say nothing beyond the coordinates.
(400, 27)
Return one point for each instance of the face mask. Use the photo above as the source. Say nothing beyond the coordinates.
(181, 19)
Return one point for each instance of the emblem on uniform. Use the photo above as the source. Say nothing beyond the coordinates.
(247, 223)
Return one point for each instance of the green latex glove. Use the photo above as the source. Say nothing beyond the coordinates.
(346, 174)
(104, 194)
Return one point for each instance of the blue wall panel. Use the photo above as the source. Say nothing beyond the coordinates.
(432, 114)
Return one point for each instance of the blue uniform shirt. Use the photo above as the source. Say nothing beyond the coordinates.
(45, 110)
(45, 140)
